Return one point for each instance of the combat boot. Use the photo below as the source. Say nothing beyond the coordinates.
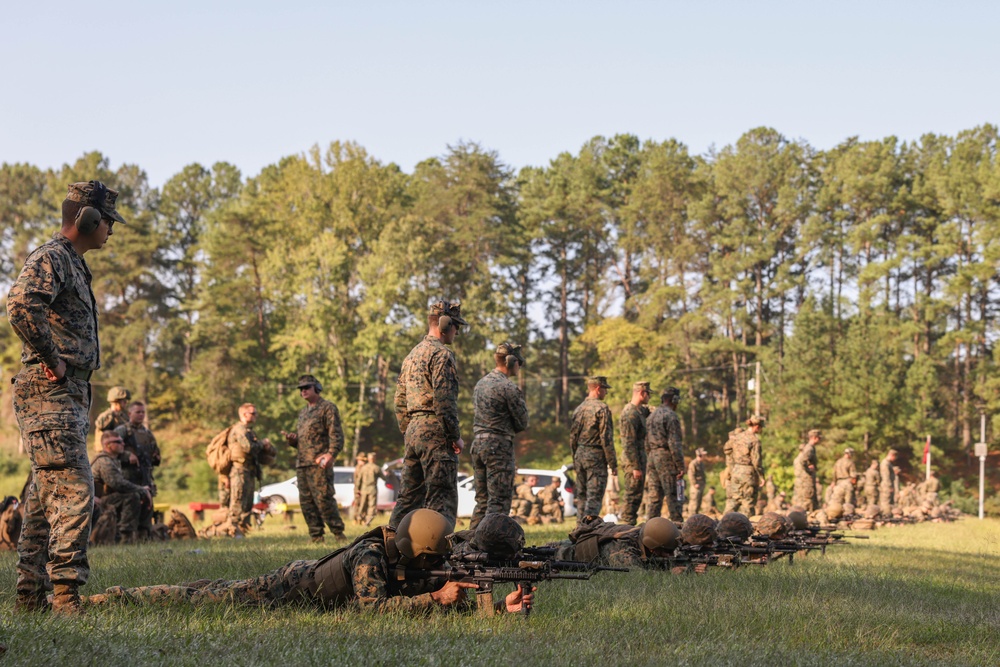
(317, 540)
(340, 537)
(66, 600)
(26, 603)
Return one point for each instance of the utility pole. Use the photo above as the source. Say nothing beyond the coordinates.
(981, 453)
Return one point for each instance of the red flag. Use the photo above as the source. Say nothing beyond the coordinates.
(927, 450)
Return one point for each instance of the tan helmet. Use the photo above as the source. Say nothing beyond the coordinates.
(422, 532)
(118, 394)
(659, 533)
(834, 511)
(798, 519)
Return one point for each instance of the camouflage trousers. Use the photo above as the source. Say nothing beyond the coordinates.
(591, 480)
(494, 469)
(126, 507)
(886, 498)
(741, 492)
(54, 421)
(871, 494)
(631, 498)
(242, 483)
(804, 493)
(527, 509)
(223, 490)
(697, 493)
(317, 500)
(553, 511)
(661, 485)
(272, 589)
(367, 505)
(430, 471)
(843, 492)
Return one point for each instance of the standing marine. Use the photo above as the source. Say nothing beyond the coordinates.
(141, 455)
(888, 482)
(632, 426)
(426, 404)
(500, 412)
(666, 456)
(319, 437)
(696, 480)
(591, 439)
(52, 309)
(116, 415)
(244, 449)
(804, 490)
(747, 472)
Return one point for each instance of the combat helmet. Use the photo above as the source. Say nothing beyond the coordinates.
(423, 532)
(798, 519)
(772, 524)
(498, 535)
(834, 511)
(659, 533)
(699, 530)
(734, 525)
(118, 394)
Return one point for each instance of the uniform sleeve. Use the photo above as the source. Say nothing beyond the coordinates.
(444, 383)
(574, 430)
(756, 457)
(335, 429)
(607, 427)
(239, 443)
(518, 408)
(112, 476)
(28, 302)
(674, 442)
(129, 439)
(630, 454)
(399, 400)
(154, 450)
(104, 420)
(370, 581)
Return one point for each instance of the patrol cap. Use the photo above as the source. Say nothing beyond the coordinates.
(815, 433)
(309, 381)
(598, 381)
(509, 349)
(670, 394)
(98, 195)
(118, 394)
(849, 450)
(640, 386)
(756, 420)
(452, 309)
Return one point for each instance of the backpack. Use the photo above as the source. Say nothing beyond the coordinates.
(218, 454)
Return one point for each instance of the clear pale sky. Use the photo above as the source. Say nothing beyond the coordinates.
(164, 84)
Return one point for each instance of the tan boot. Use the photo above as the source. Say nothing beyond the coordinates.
(66, 600)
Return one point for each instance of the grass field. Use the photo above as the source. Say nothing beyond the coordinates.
(914, 595)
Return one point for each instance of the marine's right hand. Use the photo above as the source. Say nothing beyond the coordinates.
(451, 593)
(290, 437)
(55, 374)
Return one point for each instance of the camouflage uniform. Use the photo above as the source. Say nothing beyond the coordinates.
(244, 448)
(887, 484)
(591, 439)
(632, 425)
(140, 441)
(618, 545)
(109, 420)
(500, 412)
(223, 487)
(746, 474)
(368, 572)
(52, 309)
(527, 504)
(871, 485)
(666, 462)
(708, 507)
(552, 502)
(320, 432)
(804, 492)
(426, 404)
(366, 483)
(117, 493)
(696, 482)
(844, 474)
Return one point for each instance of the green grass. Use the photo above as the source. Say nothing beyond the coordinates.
(913, 595)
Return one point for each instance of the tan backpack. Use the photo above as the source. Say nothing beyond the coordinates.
(218, 454)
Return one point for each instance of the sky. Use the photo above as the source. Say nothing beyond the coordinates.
(165, 84)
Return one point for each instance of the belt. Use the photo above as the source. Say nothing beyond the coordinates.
(423, 413)
(71, 371)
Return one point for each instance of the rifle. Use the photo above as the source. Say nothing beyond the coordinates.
(530, 554)
(485, 577)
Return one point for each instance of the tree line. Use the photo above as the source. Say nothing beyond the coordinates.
(864, 278)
